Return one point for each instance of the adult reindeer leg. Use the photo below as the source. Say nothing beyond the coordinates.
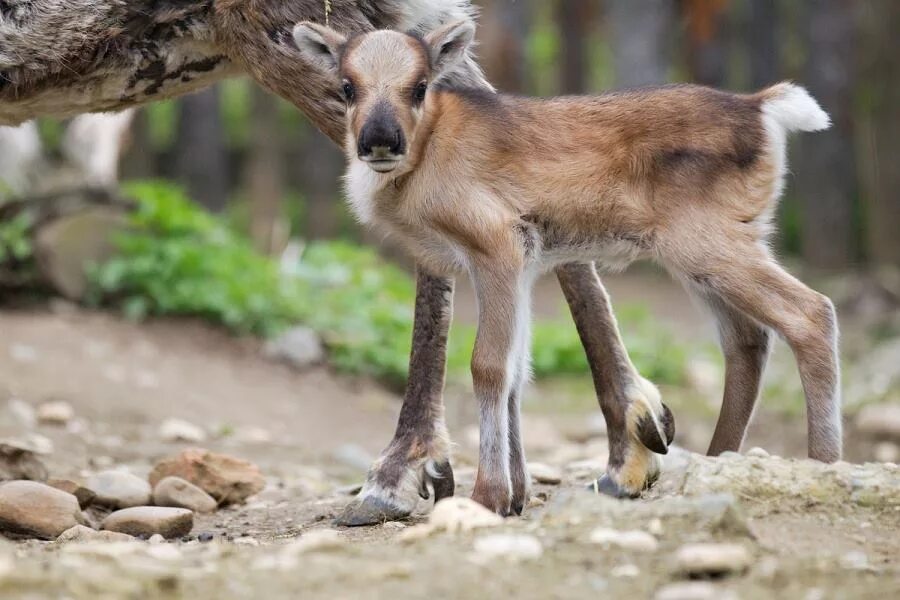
(420, 450)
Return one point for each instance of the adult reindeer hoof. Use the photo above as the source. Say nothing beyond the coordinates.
(384, 498)
(370, 510)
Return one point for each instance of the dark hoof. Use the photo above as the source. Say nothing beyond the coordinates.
(369, 511)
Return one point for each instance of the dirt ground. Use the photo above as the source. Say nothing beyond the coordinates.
(313, 435)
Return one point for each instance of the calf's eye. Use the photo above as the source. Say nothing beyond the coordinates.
(419, 92)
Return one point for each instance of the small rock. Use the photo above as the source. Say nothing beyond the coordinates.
(37, 510)
(542, 473)
(84, 495)
(689, 590)
(252, 435)
(887, 452)
(119, 489)
(655, 527)
(880, 420)
(757, 452)
(225, 478)
(626, 570)
(314, 541)
(176, 492)
(65, 245)
(509, 546)
(178, 430)
(709, 560)
(80, 533)
(149, 520)
(205, 537)
(299, 347)
(156, 539)
(55, 413)
(17, 461)
(461, 514)
(247, 541)
(638, 541)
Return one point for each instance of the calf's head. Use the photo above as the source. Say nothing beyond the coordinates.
(384, 76)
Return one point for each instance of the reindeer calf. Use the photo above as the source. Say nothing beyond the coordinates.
(505, 188)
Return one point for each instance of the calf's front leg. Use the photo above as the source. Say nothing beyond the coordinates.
(419, 454)
(638, 424)
(497, 362)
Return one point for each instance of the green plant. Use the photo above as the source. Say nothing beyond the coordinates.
(15, 244)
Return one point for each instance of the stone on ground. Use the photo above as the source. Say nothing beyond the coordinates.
(462, 514)
(37, 510)
(880, 421)
(17, 461)
(146, 521)
(638, 541)
(179, 493)
(56, 412)
(178, 430)
(691, 590)
(63, 247)
(84, 495)
(870, 484)
(542, 473)
(227, 479)
(80, 533)
(709, 560)
(513, 547)
(119, 489)
(299, 347)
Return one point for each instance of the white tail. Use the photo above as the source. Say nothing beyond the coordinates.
(794, 109)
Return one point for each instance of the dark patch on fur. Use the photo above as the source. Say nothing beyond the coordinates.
(529, 235)
(155, 73)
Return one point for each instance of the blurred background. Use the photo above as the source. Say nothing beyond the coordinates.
(229, 218)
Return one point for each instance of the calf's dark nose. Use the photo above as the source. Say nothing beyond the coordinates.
(381, 134)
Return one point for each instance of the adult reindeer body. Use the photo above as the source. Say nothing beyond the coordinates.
(504, 188)
(61, 58)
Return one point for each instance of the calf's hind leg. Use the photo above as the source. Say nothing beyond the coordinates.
(746, 345)
(747, 278)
